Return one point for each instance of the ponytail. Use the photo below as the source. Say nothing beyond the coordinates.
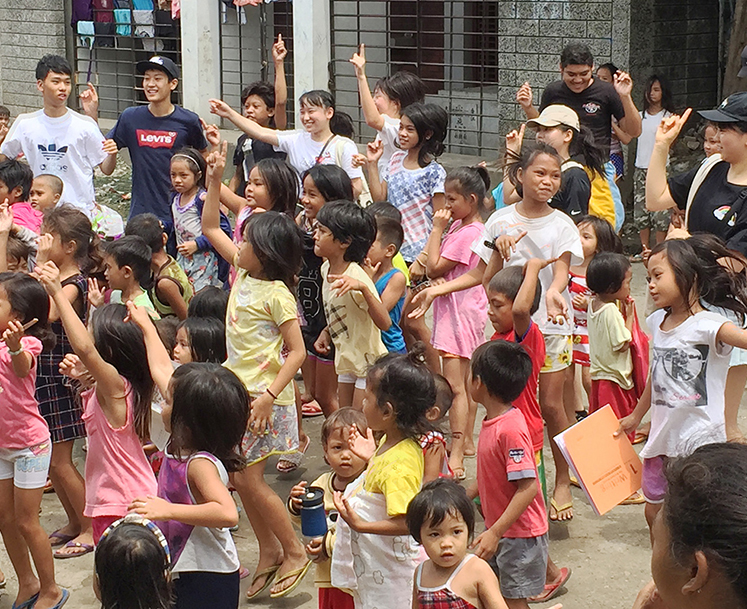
(470, 181)
(583, 144)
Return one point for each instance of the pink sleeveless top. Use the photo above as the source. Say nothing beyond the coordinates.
(117, 470)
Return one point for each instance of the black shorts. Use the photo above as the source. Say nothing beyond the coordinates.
(309, 338)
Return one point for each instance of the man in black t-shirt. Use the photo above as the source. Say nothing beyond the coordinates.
(595, 101)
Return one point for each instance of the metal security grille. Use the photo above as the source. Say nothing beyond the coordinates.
(108, 47)
(247, 36)
(452, 46)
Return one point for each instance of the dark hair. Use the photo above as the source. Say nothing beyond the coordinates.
(704, 510)
(390, 232)
(508, 282)
(696, 266)
(4, 112)
(132, 251)
(444, 394)
(166, 328)
(195, 161)
(667, 100)
(607, 239)
(55, 182)
(264, 90)
(217, 429)
(281, 181)
(15, 173)
(524, 160)
(404, 382)
(468, 181)
(740, 126)
(29, 300)
(17, 248)
(583, 144)
(606, 272)
(149, 227)
(210, 301)
(207, 339)
(343, 418)
(403, 87)
(52, 63)
(349, 223)
(324, 99)
(71, 224)
(576, 54)
(332, 182)
(431, 124)
(503, 367)
(342, 125)
(133, 569)
(384, 209)
(435, 502)
(122, 345)
(610, 67)
(277, 244)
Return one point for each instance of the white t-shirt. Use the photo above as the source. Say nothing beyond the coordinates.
(649, 126)
(303, 152)
(547, 237)
(688, 374)
(69, 146)
(389, 134)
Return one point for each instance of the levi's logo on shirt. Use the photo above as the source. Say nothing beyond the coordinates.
(156, 139)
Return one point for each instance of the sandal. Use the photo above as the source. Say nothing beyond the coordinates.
(268, 573)
(27, 604)
(636, 498)
(86, 548)
(559, 509)
(290, 462)
(311, 409)
(299, 574)
(553, 589)
(59, 539)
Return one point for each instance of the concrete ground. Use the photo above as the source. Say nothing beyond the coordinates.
(609, 555)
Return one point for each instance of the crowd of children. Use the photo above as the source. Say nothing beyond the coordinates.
(173, 345)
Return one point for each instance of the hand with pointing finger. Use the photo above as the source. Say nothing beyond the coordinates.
(279, 51)
(670, 127)
(514, 139)
(505, 245)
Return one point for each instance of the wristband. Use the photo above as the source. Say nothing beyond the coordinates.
(272, 395)
(14, 353)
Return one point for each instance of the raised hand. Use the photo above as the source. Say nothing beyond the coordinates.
(623, 83)
(374, 151)
(44, 247)
(515, 139)
(524, 96)
(13, 334)
(89, 101)
(362, 447)
(670, 127)
(216, 162)
(221, 108)
(49, 276)
(359, 60)
(138, 315)
(6, 217)
(359, 160)
(212, 133)
(278, 50)
(96, 293)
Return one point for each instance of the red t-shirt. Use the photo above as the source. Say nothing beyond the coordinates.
(534, 344)
(505, 456)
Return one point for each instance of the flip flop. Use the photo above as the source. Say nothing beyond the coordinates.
(290, 462)
(636, 498)
(575, 482)
(299, 574)
(27, 604)
(3, 583)
(86, 547)
(61, 538)
(63, 600)
(553, 589)
(640, 437)
(311, 409)
(560, 508)
(268, 572)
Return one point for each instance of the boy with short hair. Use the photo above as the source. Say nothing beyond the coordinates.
(58, 140)
(16, 178)
(171, 291)
(4, 122)
(515, 540)
(390, 283)
(46, 191)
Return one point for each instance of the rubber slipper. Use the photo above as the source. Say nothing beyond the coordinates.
(460, 474)
(636, 498)
(3, 583)
(311, 409)
(48, 487)
(268, 573)
(560, 508)
(290, 462)
(575, 482)
(61, 538)
(640, 437)
(553, 589)
(299, 574)
(63, 600)
(86, 547)
(27, 604)
(244, 572)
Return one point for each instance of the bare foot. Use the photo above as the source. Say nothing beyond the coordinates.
(561, 504)
(51, 598)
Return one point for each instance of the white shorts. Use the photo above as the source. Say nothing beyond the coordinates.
(27, 467)
(349, 379)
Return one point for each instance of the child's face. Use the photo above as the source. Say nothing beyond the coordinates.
(17, 265)
(446, 543)
(408, 135)
(712, 142)
(256, 192)
(248, 260)
(605, 75)
(4, 120)
(157, 86)
(375, 417)
(7, 314)
(182, 348)
(13, 196)
(315, 118)
(655, 93)
(459, 205)
(341, 459)
(378, 252)
(59, 251)
(588, 240)
(662, 283)
(118, 277)
(42, 196)
(256, 109)
(541, 180)
(311, 199)
(384, 103)
(624, 292)
(183, 178)
(55, 89)
(325, 244)
(554, 136)
(500, 312)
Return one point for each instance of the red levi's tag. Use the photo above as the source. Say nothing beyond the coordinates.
(156, 139)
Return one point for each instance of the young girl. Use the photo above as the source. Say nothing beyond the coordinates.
(193, 505)
(433, 443)
(711, 139)
(200, 340)
(442, 518)
(116, 409)
(399, 391)
(321, 184)
(262, 317)
(24, 441)
(690, 357)
(194, 254)
(69, 241)
(317, 144)
(606, 73)
(459, 318)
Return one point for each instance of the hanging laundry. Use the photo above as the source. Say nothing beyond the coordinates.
(81, 11)
(123, 19)
(143, 5)
(86, 33)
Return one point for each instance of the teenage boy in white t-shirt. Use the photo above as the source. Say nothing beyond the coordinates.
(57, 140)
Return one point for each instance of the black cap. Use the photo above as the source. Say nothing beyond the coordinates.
(743, 72)
(732, 110)
(158, 62)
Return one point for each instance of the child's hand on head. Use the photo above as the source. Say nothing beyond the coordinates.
(486, 544)
(44, 247)
(441, 219)
(362, 447)
(152, 508)
(49, 276)
(260, 419)
(505, 245)
(278, 50)
(96, 293)
(524, 95)
(344, 284)
(187, 248)
(515, 138)
(296, 493)
(6, 217)
(374, 151)
(13, 334)
(359, 60)
(110, 147)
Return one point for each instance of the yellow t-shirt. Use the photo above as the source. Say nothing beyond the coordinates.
(398, 262)
(397, 474)
(601, 203)
(608, 337)
(256, 310)
(356, 338)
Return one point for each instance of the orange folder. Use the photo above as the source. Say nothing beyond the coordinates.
(608, 468)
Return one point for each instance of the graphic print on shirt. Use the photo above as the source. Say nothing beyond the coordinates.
(54, 158)
(147, 138)
(336, 317)
(591, 107)
(516, 454)
(684, 379)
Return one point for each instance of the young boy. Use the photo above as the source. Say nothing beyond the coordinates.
(58, 140)
(171, 291)
(346, 466)
(4, 122)
(14, 252)
(46, 191)
(390, 282)
(355, 314)
(515, 540)
(16, 178)
(126, 268)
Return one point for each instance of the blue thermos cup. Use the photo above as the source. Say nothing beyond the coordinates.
(313, 518)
